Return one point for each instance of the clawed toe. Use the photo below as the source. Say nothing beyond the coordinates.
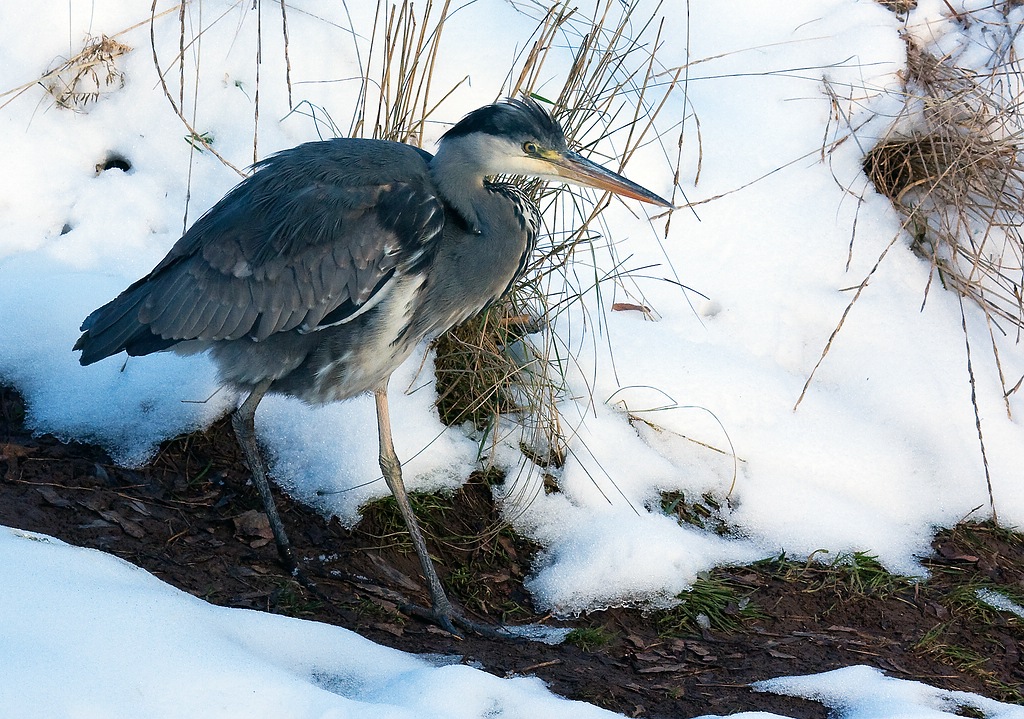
(455, 623)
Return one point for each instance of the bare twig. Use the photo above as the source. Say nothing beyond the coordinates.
(977, 414)
(287, 58)
(198, 137)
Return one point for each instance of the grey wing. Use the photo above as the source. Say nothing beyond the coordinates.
(278, 253)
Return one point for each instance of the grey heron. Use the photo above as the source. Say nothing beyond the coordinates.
(319, 274)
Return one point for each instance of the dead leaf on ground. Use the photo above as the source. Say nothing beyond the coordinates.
(393, 629)
(253, 528)
(952, 553)
(402, 580)
(630, 307)
(10, 450)
(130, 528)
(664, 668)
(52, 498)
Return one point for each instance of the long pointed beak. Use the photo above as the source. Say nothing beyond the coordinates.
(573, 167)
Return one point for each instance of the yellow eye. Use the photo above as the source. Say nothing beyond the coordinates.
(530, 148)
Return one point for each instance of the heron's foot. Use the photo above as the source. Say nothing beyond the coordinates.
(296, 572)
(455, 622)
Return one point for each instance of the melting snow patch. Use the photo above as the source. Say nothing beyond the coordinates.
(539, 633)
(862, 692)
(1000, 601)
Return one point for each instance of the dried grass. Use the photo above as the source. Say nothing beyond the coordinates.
(94, 71)
(97, 54)
(900, 7)
(958, 179)
(395, 98)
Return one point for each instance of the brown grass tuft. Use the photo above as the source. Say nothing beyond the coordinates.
(92, 72)
(947, 184)
(900, 7)
(957, 176)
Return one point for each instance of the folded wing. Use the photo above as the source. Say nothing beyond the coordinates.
(316, 236)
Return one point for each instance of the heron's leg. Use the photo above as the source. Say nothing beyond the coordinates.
(392, 469)
(244, 423)
(441, 610)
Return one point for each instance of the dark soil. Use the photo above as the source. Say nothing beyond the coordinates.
(192, 519)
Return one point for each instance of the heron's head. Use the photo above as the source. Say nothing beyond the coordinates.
(518, 137)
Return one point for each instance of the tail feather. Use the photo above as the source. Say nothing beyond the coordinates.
(115, 327)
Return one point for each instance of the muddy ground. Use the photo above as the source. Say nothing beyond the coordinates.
(192, 519)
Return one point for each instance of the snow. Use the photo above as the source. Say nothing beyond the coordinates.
(96, 636)
(865, 692)
(998, 600)
(882, 449)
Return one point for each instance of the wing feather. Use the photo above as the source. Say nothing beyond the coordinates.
(306, 241)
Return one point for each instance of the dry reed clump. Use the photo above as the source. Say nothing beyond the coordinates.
(957, 176)
(475, 369)
(92, 72)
